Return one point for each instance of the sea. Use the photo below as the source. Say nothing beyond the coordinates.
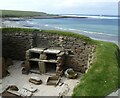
(100, 27)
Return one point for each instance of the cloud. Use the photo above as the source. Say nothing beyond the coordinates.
(58, 6)
(75, 3)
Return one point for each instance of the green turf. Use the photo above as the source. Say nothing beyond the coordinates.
(102, 77)
(54, 32)
(70, 34)
(18, 30)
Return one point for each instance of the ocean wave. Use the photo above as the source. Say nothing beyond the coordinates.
(29, 22)
(97, 17)
(100, 33)
(102, 17)
(18, 22)
(82, 31)
(46, 25)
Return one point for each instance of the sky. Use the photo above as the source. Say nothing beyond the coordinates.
(106, 7)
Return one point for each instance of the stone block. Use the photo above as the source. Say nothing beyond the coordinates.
(42, 67)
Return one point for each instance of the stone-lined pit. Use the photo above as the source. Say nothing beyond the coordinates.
(16, 43)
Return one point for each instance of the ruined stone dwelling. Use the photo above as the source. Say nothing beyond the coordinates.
(44, 60)
(77, 53)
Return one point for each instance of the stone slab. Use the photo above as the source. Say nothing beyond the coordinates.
(37, 50)
(53, 51)
(14, 92)
(29, 88)
(35, 78)
(24, 92)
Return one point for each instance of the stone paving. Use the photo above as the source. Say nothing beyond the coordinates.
(16, 77)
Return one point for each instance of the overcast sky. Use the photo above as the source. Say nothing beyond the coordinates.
(109, 7)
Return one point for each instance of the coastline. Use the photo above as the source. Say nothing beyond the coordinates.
(40, 17)
(15, 24)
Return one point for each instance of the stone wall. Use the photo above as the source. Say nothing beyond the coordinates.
(14, 45)
(78, 52)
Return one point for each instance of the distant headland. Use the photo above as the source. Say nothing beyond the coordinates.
(20, 15)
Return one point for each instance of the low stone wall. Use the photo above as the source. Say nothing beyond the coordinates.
(79, 52)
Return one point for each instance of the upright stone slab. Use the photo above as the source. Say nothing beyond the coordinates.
(3, 68)
(42, 67)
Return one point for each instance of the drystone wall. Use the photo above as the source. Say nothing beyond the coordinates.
(14, 45)
(79, 53)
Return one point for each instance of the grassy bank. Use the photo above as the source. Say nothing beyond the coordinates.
(70, 34)
(18, 30)
(102, 77)
(62, 33)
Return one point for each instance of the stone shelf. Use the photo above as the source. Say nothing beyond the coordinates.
(34, 59)
(47, 61)
(36, 50)
(52, 51)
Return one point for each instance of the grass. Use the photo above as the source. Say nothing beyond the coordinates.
(18, 30)
(54, 32)
(14, 13)
(102, 77)
(70, 34)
